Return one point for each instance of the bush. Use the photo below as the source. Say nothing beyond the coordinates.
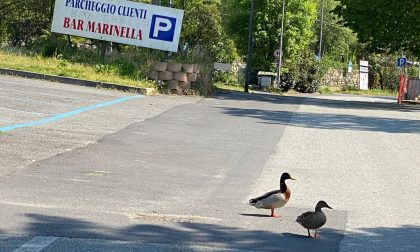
(227, 78)
(303, 75)
(287, 82)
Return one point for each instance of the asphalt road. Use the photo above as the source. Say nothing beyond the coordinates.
(171, 173)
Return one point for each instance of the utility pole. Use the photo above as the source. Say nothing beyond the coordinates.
(250, 45)
(320, 34)
(281, 47)
(418, 62)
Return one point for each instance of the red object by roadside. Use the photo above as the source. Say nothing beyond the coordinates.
(402, 90)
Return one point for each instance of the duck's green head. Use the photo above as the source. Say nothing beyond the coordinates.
(286, 176)
(322, 204)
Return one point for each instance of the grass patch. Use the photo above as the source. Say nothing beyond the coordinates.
(351, 90)
(62, 67)
(222, 86)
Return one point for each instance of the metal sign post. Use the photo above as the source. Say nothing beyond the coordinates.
(364, 75)
(250, 45)
(281, 46)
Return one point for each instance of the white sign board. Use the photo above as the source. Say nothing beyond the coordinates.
(364, 75)
(222, 66)
(265, 81)
(120, 21)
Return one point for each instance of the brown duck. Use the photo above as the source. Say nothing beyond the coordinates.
(314, 220)
(274, 199)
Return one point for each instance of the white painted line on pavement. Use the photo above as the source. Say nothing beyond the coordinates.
(33, 101)
(36, 244)
(26, 112)
(49, 95)
(42, 85)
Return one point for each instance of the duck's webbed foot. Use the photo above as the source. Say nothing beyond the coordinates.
(273, 214)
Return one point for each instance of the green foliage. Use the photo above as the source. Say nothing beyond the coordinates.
(299, 19)
(384, 25)
(235, 22)
(337, 40)
(203, 31)
(305, 74)
(325, 90)
(328, 62)
(298, 33)
(224, 77)
(201, 27)
(383, 73)
(217, 30)
(24, 20)
(105, 71)
(287, 81)
(349, 89)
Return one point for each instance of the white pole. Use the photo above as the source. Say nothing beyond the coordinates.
(281, 46)
(418, 62)
(320, 35)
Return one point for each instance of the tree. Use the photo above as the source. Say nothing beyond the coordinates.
(202, 30)
(24, 20)
(337, 41)
(299, 19)
(384, 25)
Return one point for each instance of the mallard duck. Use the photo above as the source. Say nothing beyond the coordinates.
(274, 199)
(314, 220)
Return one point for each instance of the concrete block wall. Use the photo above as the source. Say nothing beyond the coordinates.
(178, 76)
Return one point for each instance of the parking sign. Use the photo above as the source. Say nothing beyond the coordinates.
(120, 21)
(163, 28)
(402, 62)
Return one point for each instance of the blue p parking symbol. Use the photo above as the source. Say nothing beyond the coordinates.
(162, 28)
(402, 62)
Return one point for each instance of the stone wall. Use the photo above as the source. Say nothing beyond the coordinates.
(335, 78)
(178, 76)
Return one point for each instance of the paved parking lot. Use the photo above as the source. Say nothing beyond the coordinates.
(27, 105)
(40, 119)
(107, 174)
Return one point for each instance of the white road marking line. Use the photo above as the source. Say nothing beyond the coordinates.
(102, 172)
(146, 152)
(42, 85)
(26, 112)
(37, 244)
(50, 95)
(172, 217)
(32, 101)
(81, 180)
(140, 133)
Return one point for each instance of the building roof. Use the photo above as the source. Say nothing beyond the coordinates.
(261, 73)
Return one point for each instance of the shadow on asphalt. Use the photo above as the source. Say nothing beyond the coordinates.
(256, 215)
(311, 99)
(184, 234)
(325, 121)
(189, 234)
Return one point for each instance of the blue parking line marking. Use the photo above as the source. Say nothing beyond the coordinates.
(68, 114)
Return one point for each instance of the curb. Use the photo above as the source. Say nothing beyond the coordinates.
(73, 81)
